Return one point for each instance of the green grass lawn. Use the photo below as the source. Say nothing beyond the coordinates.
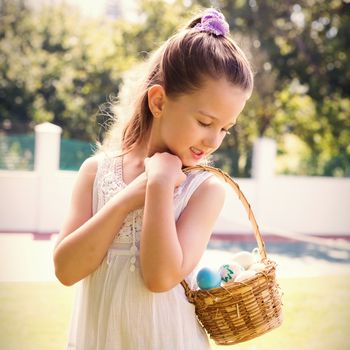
(316, 316)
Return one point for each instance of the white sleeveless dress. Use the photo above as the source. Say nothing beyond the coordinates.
(113, 309)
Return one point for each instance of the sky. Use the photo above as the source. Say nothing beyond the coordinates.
(95, 8)
(90, 7)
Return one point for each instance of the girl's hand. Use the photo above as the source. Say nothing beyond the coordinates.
(165, 167)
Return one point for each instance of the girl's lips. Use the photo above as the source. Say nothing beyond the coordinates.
(196, 153)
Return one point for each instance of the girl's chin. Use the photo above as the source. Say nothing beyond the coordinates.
(189, 163)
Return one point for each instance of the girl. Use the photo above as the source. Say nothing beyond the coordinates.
(137, 225)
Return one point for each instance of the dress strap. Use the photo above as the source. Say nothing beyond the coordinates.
(186, 190)
(118, 168)
(108, 179)
(102, 165)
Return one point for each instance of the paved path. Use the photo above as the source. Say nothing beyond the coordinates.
(24, 259)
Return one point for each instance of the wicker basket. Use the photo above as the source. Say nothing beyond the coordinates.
(239, 311)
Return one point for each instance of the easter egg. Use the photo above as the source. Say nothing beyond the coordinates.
(244, 258)
(208, 278)
(257, 267)
(229, 272)
(245, 275)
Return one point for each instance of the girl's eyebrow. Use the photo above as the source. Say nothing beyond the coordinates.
(212, 117)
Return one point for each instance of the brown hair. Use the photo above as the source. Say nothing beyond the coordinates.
(180, 65)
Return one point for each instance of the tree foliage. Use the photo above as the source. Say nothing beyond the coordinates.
(58, 66)
(301, 57)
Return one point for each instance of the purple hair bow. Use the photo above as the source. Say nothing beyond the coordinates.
(213, 22)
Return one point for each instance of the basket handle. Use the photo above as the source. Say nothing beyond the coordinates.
(261, 245)
(241, 197)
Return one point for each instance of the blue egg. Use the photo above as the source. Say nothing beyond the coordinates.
(207, 278)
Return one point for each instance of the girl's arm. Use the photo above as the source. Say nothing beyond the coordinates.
(169, 250)
(84, 239)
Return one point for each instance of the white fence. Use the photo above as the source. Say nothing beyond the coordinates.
(37, 201)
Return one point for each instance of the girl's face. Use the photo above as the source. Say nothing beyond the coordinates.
(192, 126)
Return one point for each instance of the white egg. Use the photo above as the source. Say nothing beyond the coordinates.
(245, 275)
(244, 258)
(257, 267)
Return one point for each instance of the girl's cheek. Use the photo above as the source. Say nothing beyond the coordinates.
(222, 139)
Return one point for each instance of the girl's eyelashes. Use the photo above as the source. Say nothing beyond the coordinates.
(203, 124)
(206, 125)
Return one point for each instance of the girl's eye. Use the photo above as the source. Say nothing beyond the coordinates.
(227, 132)
(203, 124)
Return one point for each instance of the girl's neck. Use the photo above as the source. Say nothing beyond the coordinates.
(133, 161)
(146, 148)
(135, 158)
(133, 164)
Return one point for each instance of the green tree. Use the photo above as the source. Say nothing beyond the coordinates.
(300, 50)
(57, 66)
(16, 99)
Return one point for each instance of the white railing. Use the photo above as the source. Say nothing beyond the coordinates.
(37, 201)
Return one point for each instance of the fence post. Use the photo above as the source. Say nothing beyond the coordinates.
(47, 147)
(263, 172)
(264, 158)
(46, 165)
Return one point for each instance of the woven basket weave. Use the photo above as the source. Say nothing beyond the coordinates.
(239, 311)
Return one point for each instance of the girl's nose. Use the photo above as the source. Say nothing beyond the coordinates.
(213, 141)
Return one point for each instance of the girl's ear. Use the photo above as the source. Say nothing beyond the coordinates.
(156, 99)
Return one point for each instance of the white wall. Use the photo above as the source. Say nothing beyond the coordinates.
(309, 204)
(38, 201)
(18, 200)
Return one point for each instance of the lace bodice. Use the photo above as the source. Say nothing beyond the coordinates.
(108, 182)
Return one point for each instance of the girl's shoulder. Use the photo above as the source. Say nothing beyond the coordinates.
(201, 185)
(92, 164)
(206, 180)
(87, 173)
(211, 186)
